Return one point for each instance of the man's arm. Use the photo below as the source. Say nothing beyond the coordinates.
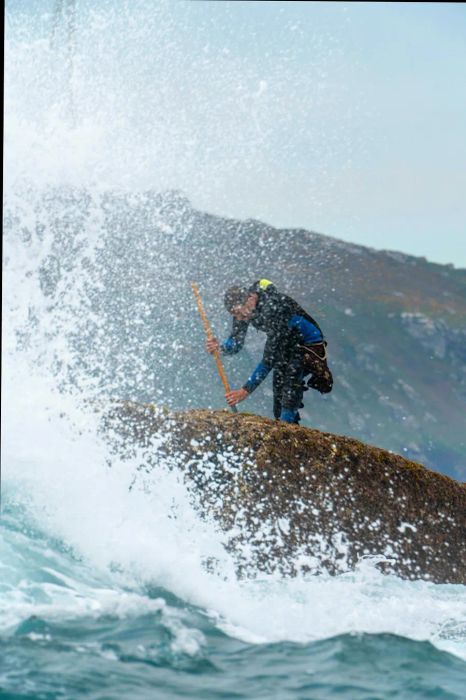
(235, 340)
(265, 365)
(233, 343)
(271, 347)
(271, 351)
(257, 377)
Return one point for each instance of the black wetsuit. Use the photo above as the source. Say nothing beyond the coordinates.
(295, 347)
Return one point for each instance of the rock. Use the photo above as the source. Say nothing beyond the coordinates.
(294, 499)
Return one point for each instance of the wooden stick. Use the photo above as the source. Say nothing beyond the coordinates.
(209, 334)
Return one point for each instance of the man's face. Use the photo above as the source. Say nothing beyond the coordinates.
(244, 312)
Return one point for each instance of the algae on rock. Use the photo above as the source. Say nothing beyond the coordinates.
(295, 499)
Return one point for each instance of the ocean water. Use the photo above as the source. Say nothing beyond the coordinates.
(105, 586)
(104, 592)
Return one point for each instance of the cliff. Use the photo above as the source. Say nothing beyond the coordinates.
(297, 499)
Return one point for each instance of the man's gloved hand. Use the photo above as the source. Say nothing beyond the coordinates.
(212, 345)
(235, 396)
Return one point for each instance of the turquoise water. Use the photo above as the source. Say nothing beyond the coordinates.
(67, 632)
(105, 592)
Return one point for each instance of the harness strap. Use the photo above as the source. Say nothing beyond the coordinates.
(308, 348)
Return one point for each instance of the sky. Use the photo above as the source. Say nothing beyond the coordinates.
(348, 119)
(394, 166)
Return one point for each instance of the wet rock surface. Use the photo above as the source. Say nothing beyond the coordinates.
(295, 499)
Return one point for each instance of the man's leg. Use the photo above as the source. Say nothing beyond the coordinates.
(277, 392)
(292, 391)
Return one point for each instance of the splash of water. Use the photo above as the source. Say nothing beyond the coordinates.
(134, 129)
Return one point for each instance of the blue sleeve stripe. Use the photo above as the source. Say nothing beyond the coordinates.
(257, 377)
(229, 346)
(310, 332)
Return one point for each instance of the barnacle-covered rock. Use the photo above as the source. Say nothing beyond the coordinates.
(295, 499)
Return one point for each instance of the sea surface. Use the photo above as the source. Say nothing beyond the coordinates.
(105, 591)
(70, 629)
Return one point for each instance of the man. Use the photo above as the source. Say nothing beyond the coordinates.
(295, 346)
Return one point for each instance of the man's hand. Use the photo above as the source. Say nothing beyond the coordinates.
(235, 396)
(212, 345)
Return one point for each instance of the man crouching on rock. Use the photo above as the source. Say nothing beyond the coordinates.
(295, 346)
